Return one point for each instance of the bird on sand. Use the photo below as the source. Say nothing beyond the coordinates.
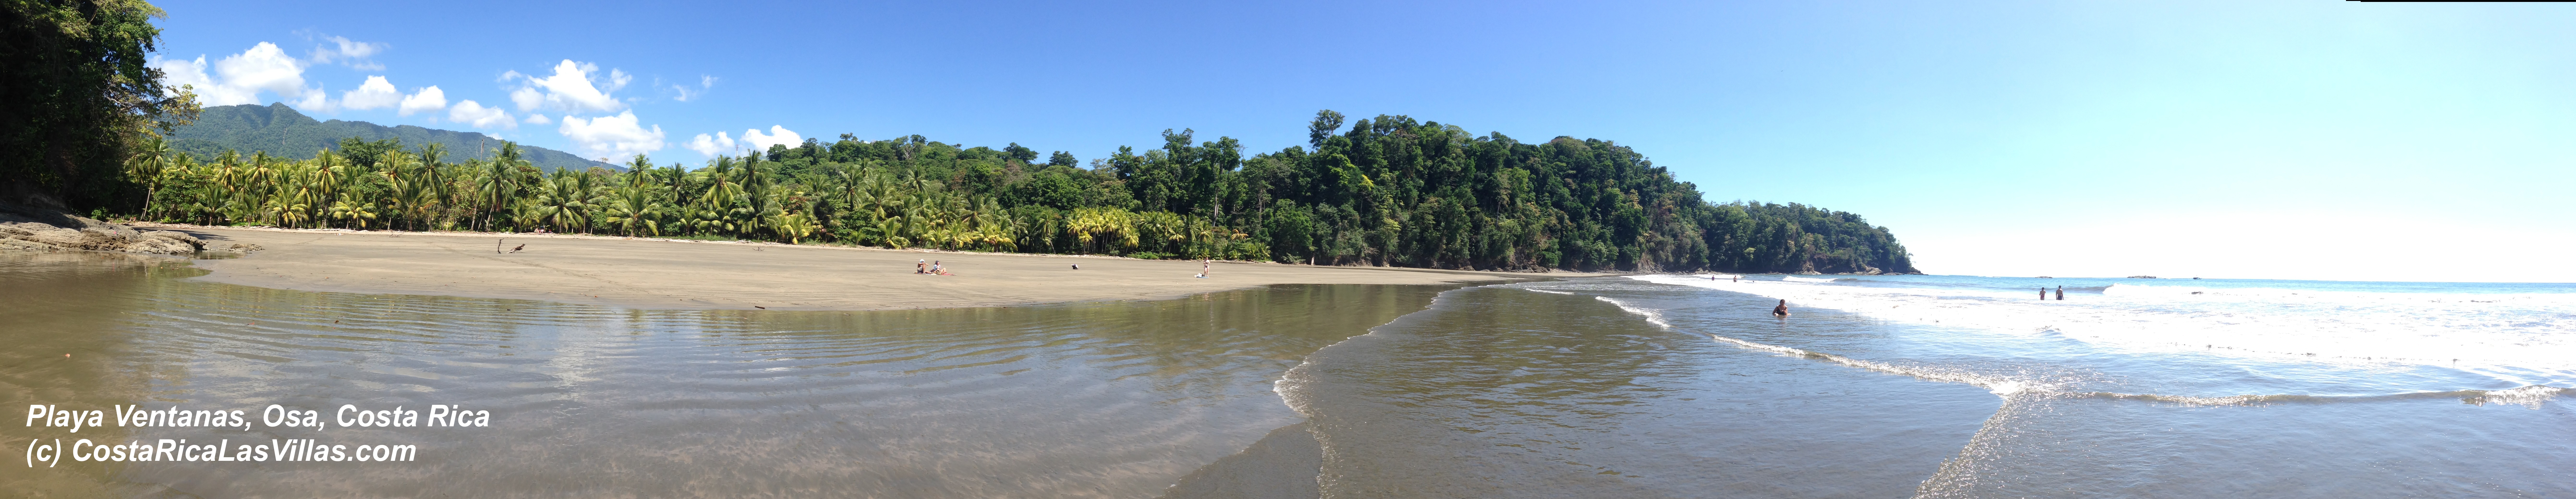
(521, 247)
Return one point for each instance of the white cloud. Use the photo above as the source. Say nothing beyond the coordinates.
(376, 93)
(347, 52)
(688, 94)
(192, 74)
(472, 113)
(539, 119)
(263, 67)
(238, 78)
(709, 146)
(570, 89)
(760, 142)
(427, 99)
(314, 100)
(527, 98)
(611, 136)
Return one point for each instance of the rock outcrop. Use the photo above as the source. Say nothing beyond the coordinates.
(26, 227)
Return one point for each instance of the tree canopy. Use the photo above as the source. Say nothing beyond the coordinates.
(1387, 190)
(77, 97)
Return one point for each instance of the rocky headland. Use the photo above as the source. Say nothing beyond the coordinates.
(32, 223)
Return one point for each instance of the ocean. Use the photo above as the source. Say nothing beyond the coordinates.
(1953, 386)
(1638, 386)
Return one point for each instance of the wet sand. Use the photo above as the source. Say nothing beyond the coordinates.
(671, 274)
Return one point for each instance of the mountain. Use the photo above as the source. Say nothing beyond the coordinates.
(282, 131)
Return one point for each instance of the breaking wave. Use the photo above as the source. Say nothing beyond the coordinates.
(2515, 337)
(2531, 396)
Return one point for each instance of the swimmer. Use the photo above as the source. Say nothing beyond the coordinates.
(1781, 311)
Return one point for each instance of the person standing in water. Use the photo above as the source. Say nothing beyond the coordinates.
(2061, 293)
(2043, 292)
(1782, 310)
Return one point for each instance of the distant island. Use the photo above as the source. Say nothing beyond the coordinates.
(1383, 191)
(280, 130)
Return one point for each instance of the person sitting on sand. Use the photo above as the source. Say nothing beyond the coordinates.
(934, 269)
(1782, 310)
(921, 266)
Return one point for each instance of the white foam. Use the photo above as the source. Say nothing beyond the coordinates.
(1650, 314)
(2528, 396)
(2510, 336)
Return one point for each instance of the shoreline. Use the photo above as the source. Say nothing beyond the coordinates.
(664, 273)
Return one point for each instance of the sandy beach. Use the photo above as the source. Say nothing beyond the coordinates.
(655, 273)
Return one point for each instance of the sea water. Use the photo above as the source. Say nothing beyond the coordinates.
(1646, 386)
(1948, 386)
(1105, 399)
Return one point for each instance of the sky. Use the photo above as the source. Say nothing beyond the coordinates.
(2278, 140)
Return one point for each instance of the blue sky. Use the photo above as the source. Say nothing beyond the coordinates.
(2316, 140)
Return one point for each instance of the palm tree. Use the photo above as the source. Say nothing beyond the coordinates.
(527, 213)
(632, 209)
(149, 166)
(355, 212)
(793, 227)
(675, 181)
(437, 178)
(499, 182)
(404, 188)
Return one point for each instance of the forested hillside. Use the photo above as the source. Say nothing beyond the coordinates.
(1381, 191)
(77, 93)
(278, 129)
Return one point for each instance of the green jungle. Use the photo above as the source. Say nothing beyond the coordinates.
(90, 127)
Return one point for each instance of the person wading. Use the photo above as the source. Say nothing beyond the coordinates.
(1782, 310)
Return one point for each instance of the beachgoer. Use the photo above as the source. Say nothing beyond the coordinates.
(934, 269)
(2061, 293)
(1782, 310)
(1735, 278)
(1203, 268)
(2043, 292)
(921, 266)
